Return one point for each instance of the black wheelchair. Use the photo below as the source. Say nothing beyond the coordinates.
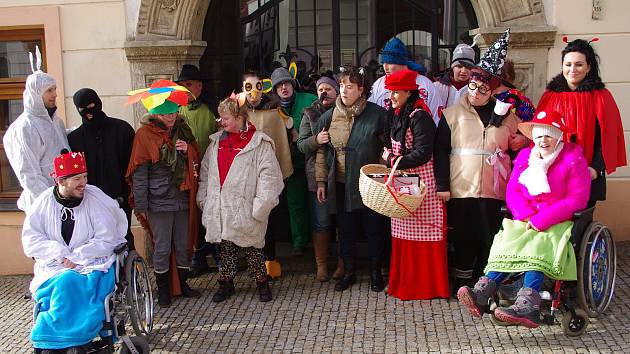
(577, 301)
(131, 300)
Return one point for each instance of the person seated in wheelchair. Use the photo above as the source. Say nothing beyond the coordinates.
(71, 231)
(550, 181)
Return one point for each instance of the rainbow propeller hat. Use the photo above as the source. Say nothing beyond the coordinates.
(162, 97)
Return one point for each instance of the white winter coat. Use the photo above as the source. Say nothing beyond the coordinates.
(34, 140)
(100, 225)
(238, 211)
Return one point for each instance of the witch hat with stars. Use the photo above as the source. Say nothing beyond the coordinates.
(493, 60)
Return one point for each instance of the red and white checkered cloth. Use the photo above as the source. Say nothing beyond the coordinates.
(427, 222)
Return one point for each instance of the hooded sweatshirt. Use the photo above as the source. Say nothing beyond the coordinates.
(34, 140)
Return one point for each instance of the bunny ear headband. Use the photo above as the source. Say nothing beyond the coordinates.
(565, 39)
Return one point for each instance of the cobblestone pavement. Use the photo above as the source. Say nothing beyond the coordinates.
(307, 316)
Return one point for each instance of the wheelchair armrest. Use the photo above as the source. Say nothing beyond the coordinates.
(120, 248)
(584, 212)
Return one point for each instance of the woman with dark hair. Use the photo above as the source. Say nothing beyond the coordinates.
(579, 95)
(355, 129)
(418, 268)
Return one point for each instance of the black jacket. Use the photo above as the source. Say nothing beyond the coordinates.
(107, 144)
(423, 131)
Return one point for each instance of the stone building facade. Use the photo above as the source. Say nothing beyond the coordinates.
(115, 46)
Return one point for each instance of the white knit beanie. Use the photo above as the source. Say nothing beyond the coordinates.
(539, 130)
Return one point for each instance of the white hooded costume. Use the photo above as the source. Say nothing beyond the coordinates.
(34, 140)
(100, 225)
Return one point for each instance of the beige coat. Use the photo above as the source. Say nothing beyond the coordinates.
(238, 211)
(479, 162)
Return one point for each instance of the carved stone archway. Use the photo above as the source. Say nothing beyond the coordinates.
(168, 34)
(530, 40)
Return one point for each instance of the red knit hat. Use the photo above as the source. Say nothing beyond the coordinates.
(69, 164)
(403, 80)
(551, 119)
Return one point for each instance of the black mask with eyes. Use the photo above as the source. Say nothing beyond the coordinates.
(82, 99)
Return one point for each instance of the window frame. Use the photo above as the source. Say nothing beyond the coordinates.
(12, 88)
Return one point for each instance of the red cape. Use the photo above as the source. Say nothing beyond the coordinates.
(581, 110)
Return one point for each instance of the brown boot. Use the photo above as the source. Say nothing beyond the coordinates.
(320, 247)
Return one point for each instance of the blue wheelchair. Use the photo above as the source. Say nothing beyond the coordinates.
(130, 301)
(577, 301)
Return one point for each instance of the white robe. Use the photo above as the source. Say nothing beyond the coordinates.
(34, 140)
(100, 225)
(379, 94)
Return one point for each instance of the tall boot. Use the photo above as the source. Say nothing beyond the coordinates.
(376, 277)
(186, 290)
(164, 288)
(338, 274)
(349, 277)
(320, 248)
(524, 312)
(476, 299)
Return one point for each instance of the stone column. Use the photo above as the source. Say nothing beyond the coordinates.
(159, 59)
(529, 47)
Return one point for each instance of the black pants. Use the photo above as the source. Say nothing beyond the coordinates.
(472, 223)
(352, 223)
(278, 226)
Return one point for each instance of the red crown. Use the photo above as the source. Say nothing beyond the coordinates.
(69, 164)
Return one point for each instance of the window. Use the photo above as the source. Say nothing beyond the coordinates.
(15, 44)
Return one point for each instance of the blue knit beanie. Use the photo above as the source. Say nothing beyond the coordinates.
(395, 52)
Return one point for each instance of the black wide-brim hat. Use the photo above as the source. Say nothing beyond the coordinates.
(189, 72)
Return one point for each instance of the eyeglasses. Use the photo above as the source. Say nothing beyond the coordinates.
(249, 86)
(472, 86)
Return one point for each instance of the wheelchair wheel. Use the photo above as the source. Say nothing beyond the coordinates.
(596, 269)
(138, 294)
(574, 326)
(140, 343)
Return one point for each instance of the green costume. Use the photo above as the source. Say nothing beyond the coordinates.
(516, 249)
(202, 123)
(297, 187)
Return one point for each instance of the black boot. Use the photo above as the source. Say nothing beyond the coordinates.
(264, 292)
(226, 289)
(376, 278)
(186, 290)
(349, 277)
(164, 288)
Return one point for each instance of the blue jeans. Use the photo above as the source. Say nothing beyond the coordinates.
(320, 219)
(533, 279)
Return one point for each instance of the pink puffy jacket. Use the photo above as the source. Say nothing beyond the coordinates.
(570, 184)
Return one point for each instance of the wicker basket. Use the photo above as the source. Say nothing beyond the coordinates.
(382, 198)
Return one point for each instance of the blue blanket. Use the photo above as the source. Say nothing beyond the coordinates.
(71, 310)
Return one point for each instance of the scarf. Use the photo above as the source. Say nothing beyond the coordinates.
(351, 111)
(534, 178)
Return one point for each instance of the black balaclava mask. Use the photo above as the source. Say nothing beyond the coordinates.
(82, 99)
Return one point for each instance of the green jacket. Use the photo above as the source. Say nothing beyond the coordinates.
(202, 123)
(365, 146)
(302, 100)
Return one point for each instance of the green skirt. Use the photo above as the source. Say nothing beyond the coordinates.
(516, 249)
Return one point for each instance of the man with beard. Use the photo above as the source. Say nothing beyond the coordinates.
(71, 231)
(36, 137)
(106, 142)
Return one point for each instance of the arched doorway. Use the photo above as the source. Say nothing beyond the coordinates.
(320, 35)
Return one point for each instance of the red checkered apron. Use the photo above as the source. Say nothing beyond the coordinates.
(427, 222)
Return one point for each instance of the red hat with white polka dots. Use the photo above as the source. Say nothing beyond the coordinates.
(548, 123)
